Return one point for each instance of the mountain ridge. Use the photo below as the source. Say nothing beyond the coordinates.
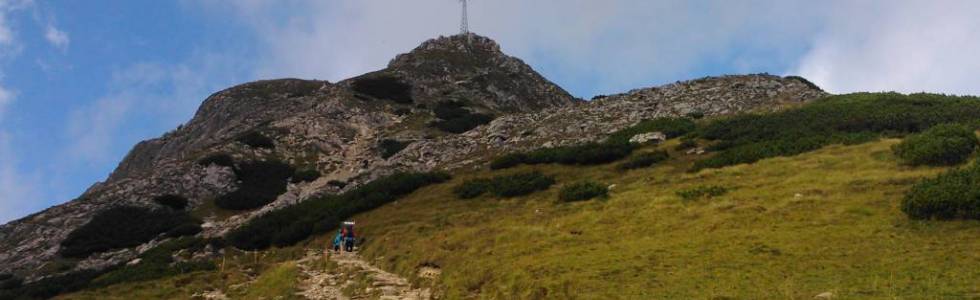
(336, 129)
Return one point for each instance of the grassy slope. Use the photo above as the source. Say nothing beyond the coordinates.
(844, 233)
(240, 275)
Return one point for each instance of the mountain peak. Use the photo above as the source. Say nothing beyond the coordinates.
(472, 68)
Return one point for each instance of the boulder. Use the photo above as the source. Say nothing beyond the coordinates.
(650, 137)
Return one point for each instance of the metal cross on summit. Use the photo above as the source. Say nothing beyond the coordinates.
(464, 24)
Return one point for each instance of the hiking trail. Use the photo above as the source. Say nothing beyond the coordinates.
(328, 276)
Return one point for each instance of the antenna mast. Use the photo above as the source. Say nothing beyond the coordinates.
(464, 27)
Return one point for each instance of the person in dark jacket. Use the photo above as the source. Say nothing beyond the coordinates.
(349, 238)
(337, 240)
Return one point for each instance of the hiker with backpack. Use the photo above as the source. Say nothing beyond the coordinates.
(348, 236)
(337, 240)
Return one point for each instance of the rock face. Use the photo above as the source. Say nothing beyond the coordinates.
(336, 129)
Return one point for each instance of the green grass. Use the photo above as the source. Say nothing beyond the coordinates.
(788, 228)
(278, 283)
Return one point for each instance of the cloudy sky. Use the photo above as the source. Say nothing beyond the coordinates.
(82, 81)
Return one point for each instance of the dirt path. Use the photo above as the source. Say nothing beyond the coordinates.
(330, 276)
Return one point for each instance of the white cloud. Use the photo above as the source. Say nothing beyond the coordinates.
(608, 45)
(18, 193)
(6, 97)
(906, 46)
(56, 37)
(157, 97)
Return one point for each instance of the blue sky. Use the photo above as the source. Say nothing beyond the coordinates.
(83, 81)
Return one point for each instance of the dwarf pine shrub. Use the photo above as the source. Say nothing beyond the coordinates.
(644, 160)
(954, 194)
(582, 191)
(941, 145)
(297, 222)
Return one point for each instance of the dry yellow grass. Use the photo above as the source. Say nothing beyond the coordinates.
(789, 228)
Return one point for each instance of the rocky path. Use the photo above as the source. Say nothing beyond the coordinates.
(329, 276)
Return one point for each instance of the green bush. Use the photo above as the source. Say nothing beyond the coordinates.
(384, 87)
(699, 192)
(453, 117)
(585, 154)
(449, 110)
(184, 230)
(582, 191)
(951, 195)
(297, 222)
(842, 119)
(52, 286)
(255, 139)
(508, 161)
(686, 144)
(520, 184)
(9, 282)
(805, 81)
(941, 145)
(389, 147)
(175, 202)
(121, 227)
(260, 183)
(157, 263)
(695, 115)
(472, 188)
(644, 160)
(220, 159)
(305, 175)
(505, 186)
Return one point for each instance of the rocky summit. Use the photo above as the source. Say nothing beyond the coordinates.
(451, 103)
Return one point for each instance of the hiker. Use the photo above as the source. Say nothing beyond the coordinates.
(349, 236)
(337, 240)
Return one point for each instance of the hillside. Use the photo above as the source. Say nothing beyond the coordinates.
(795, 227)
(451, 103)
(472, 176)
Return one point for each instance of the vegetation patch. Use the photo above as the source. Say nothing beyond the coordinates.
(806, 82)
(256, 139)
(158, 263)
(505, 186)
(585, 154)
(260, 183)
(220, 159)
(295, 223)
(951, 195)
(276, 283)
(384, 87)
(10, 282)
(701, 192)
(941, 145)
(671, 127)
(614, 148)
(51, 286)
(270, 88)
(389, 147)
(121, 227)
(175, 202)
(455, 118)
(305, 175)
(582, 191)
(845, 119)
(644, 160)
